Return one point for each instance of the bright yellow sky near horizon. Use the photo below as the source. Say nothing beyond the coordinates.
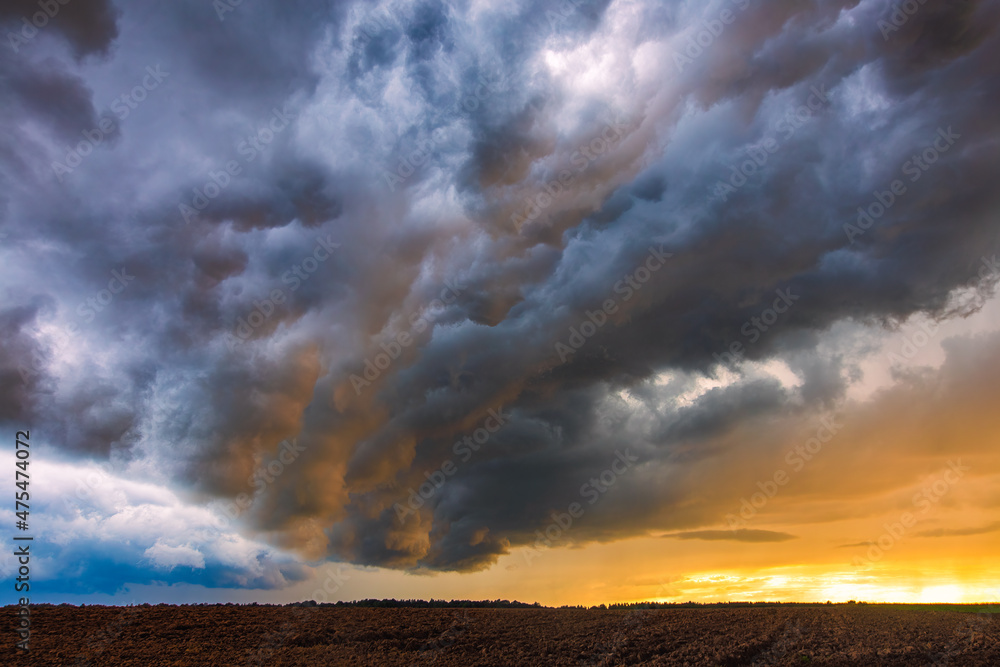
(928, 449)
(813, 567)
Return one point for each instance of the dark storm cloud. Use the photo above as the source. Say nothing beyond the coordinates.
(22, 362)
(960, 532)
(719, 409)
(729, 260)
(252, 53)
(163, 374)
(739, 535)
(89, 27)
(51, 95)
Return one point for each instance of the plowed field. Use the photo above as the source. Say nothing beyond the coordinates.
(273, 635)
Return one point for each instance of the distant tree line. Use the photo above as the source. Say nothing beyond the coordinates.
(734, 603)
(482, 604)
(429, 604)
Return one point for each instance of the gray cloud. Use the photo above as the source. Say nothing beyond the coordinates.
(738, 535)
(89, 27)
(154, 377)
(960, 532)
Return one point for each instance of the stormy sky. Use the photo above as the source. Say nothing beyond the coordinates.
(497, 292)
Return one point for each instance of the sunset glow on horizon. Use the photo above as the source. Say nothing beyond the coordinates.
(579, 303)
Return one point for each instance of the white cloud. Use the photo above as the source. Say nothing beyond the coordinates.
(168, 557)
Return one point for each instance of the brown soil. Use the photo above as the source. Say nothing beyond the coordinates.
(271, 635)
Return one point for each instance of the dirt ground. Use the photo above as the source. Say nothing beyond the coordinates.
(272, 635)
